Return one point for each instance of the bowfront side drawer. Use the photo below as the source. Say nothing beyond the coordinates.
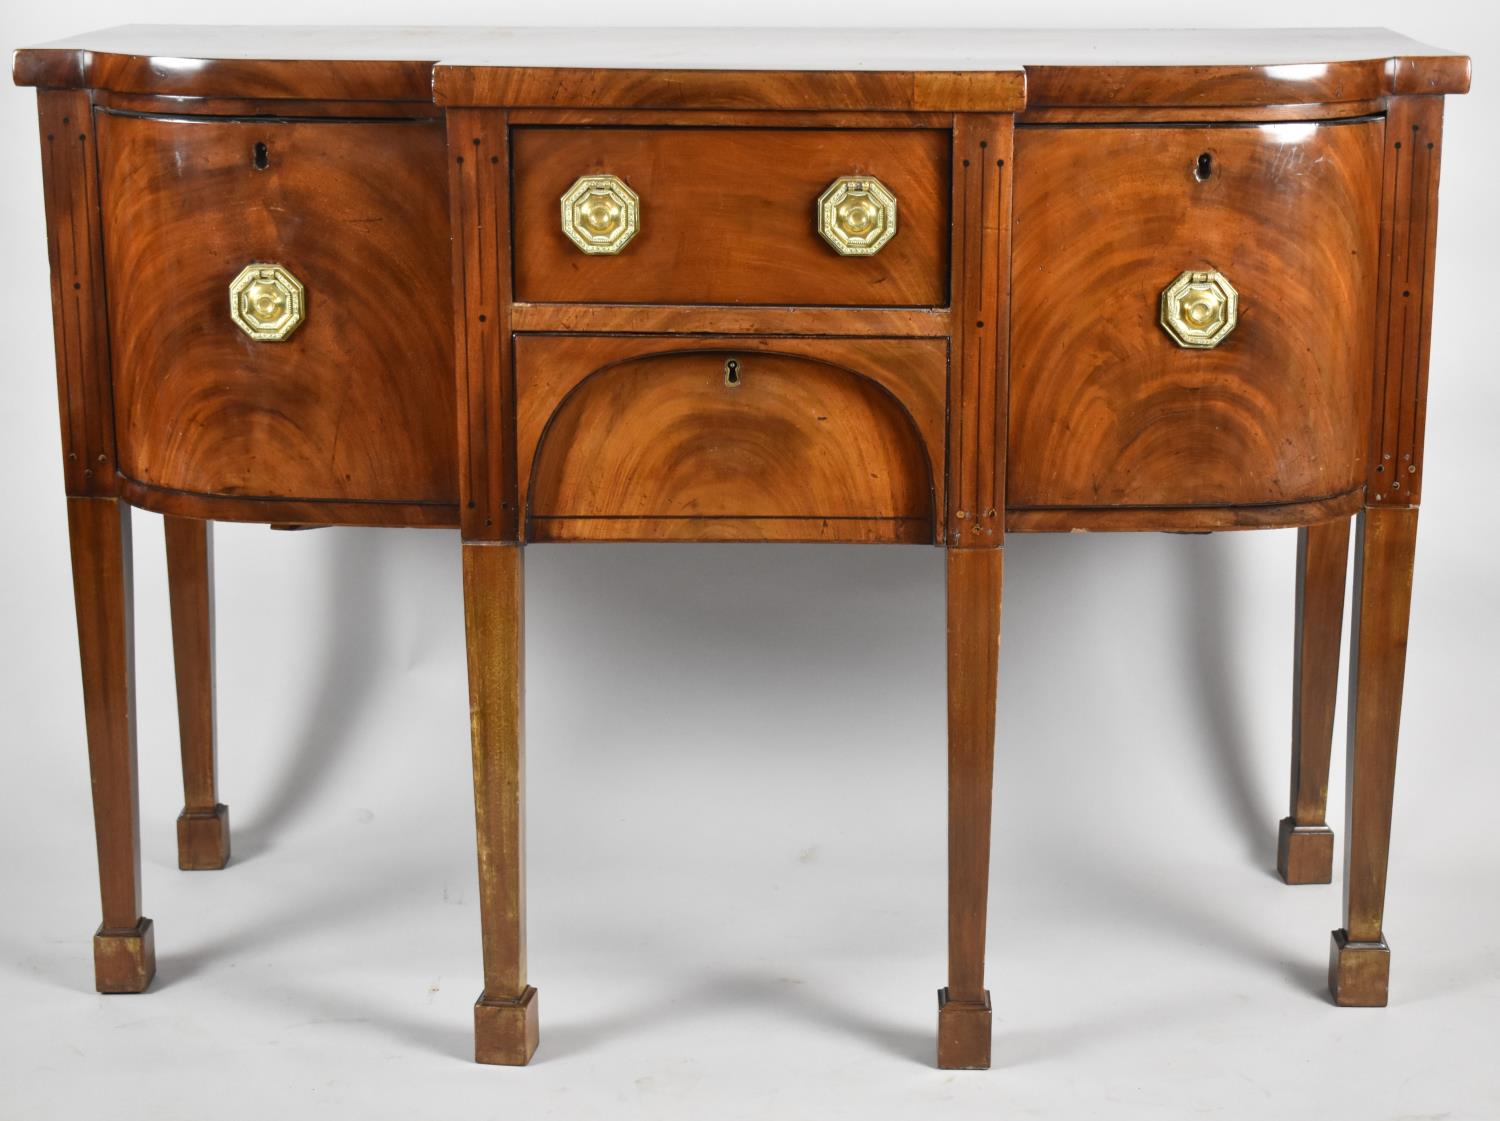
(279, 306)
(854, 217)
(1193, 313)
(723, 438)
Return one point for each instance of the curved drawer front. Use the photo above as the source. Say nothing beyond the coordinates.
(731, 216)
(730, 438)
(1193, 313)
(327, 377)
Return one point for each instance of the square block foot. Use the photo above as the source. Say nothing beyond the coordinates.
(124, 960)
(505, 1031)
(203, 839)
(1359, 973)
(963, 1033)
(1304, 853)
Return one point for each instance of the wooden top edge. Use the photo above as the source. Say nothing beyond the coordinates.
(923, 69)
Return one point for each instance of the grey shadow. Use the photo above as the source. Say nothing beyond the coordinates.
(1204, 622)
(354, 630)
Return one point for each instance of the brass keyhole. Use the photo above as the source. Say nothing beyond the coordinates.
(732, 373)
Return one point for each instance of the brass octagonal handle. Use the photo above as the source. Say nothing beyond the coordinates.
(600, 214)
(1199, 309)
(857, 215)
(266, 302)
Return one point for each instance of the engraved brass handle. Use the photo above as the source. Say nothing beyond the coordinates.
(857, 215)
(267, 302)
(600, 214)
(1199, 309)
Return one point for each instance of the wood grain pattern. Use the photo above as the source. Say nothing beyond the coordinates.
(494, 623)
(1403, 331)
(982, 150)
(1305, 843)
(728, 216)
(315, 512)
(80, 325)
(659, 319)
(912, 373)
(1182, 519)
(1105, 409)
(480, 203)
(358, 403)
(973, 593)
(203, 825)
(1385, 551)
(664, 437)
(103, 592)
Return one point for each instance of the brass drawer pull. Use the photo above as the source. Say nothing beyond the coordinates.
(600, 214)
(1199, 309)
(857, 215)
(267, 302)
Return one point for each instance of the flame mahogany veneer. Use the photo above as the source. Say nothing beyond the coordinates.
(1000, 364)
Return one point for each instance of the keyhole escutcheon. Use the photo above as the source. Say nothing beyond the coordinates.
(732, 373)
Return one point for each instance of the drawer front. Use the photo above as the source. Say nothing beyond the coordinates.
(357, 402)
(729, 216)
(1106, 407)
(777, 439)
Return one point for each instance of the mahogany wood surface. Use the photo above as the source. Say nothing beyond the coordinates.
(99, 531)
(1384, 553)
(1105, 408)
(1305, 843)
(727, 216)
(787, 454)
(974, 577)
(997, 367)
(357, 405)
(203, 825)
(505, 1016)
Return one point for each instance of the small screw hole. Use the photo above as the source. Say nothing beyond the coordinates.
(262, 156)
(1204, 168)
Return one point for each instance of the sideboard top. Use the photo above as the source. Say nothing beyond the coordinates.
(746, 68)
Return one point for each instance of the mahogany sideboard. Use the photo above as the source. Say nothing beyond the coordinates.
(878, 286)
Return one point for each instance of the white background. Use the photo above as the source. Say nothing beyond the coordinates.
(737, 777)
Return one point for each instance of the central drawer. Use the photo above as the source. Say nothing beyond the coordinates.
(730, 216)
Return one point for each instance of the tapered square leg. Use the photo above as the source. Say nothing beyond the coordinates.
(505, 1018)
(203, 825)
(124, 960)
(1304, 852)
(203, 839)
(963, 1033)
(506, 1032)
(974, 577)
(1359, 973)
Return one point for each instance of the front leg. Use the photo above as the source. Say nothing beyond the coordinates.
(203, 825)
(99, 532)
(505, 1016)
(974, 579)
(1360, 963)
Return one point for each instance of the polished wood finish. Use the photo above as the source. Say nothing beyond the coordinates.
(203, 825)
(505, 1016)
(79, 317)
(357, 405)
(1106, 410)
(1304, 852)
(99, 531)
(772, 472)
(727, 216)
(479, 179)
(982, 148)
(1385, 549)
(974, 578)
(997, 367)
(1403, 330)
